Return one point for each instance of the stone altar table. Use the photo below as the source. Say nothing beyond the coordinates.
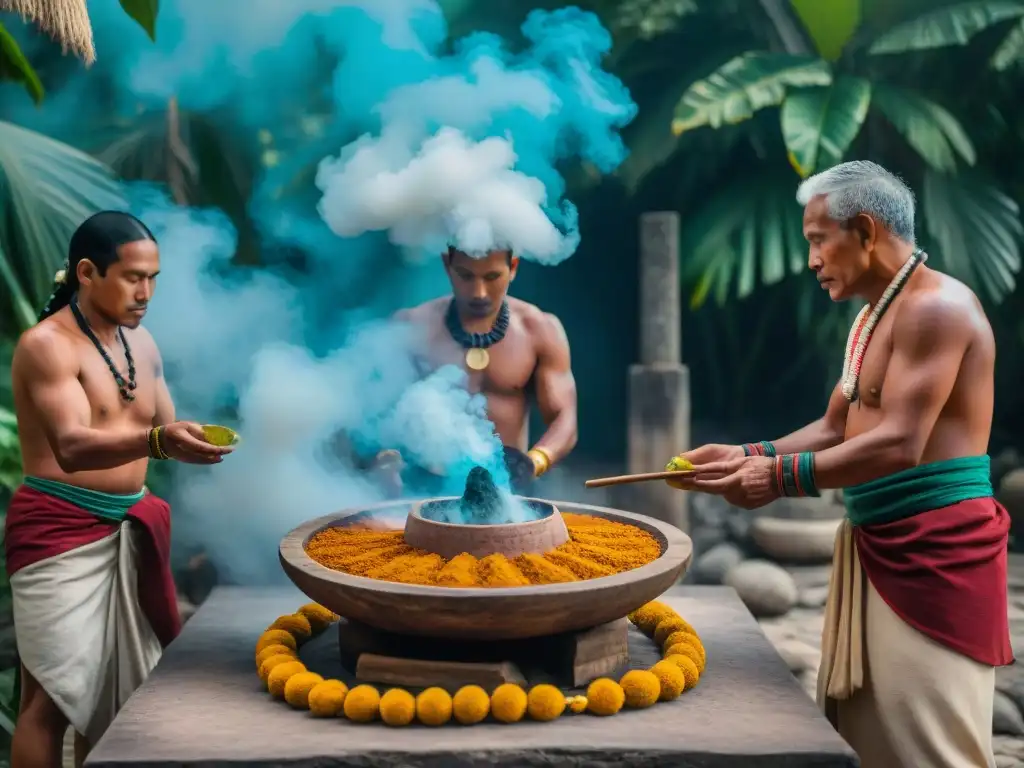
(204, 705)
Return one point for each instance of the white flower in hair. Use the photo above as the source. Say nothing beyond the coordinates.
(61, 276)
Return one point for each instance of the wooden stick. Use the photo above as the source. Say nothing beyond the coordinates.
(601, 482)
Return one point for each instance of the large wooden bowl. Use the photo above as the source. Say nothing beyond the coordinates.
(498, 613)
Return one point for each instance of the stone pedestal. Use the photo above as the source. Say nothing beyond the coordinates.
(204, 705)
(659, 386)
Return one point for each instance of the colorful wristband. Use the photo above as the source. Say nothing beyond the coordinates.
(794, 475)
(763, 448)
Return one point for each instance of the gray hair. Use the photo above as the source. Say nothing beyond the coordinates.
(859, 187)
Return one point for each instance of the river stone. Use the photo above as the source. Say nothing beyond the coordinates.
(765, 588)
(711, 567)
(824, 507)
(1006, 718)
(798, 655)
(800, 541)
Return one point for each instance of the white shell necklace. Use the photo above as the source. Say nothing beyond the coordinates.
(867, 320)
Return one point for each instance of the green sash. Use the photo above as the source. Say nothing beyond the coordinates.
(918, 489)
(106, 506)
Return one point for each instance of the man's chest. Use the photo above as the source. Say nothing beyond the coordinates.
(509, 364)
(103, 389)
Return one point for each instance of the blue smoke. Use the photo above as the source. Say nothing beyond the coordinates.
(420, 141)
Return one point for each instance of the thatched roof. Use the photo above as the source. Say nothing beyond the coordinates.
(66, 21)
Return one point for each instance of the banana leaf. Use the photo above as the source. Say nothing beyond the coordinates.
(952, 25)
(933, 132)
(820, 124)
(743, 86)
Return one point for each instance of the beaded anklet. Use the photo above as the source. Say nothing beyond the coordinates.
(763, 448)
(794, 475)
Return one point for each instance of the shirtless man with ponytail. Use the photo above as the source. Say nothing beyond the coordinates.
(84, 539)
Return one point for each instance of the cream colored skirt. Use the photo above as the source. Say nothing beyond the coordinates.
(900, 699)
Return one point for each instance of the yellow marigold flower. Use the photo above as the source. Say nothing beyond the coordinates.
(276, 637)
(319, 618)
(670, 678)
(397, 707)
(647, 617)
(508, 703)
(294, 623)
(666, 627)
(296, 690)
(279, 675)
(577, 704)
(362, 704)
(327, 699)
(272, 661)
(686, 649)
(605, 697)
(681, 636)
(274, 650)
(641, 688)
(545, 702)
(471, 704)
(689, 668)
(434, 706)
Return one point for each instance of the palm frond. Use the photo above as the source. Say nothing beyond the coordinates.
(933, 132)
(820, 124)
(943, 27)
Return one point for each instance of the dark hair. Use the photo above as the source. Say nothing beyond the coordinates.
(452, 250)
(96, 239)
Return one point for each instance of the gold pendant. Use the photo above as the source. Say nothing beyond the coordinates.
(477, 358)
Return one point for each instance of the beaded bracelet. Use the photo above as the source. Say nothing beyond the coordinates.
(763, 448)
(794, 475)
(156, 448)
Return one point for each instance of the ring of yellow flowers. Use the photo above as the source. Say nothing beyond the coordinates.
(287, 679)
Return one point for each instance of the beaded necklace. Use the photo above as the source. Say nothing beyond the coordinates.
(476, 344)
(126, 388)
(866, 322)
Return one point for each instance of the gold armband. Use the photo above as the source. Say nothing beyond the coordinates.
(541, 461)
(156, 446)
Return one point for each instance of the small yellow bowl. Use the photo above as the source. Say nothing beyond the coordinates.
(218, 435)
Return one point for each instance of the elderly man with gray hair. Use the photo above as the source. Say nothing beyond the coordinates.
(916, 619)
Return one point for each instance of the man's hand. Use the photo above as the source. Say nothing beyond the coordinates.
(705, 454)
(747, 482)
(184, 441)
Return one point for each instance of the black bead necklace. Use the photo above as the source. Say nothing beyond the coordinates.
(476, 344)
(126, 388)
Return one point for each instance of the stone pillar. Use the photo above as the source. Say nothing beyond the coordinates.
(659, 385)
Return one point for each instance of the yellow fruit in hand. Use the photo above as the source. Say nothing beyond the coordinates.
(678, 464)
(218, 435)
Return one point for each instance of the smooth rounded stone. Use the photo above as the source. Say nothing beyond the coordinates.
(800, 541)
(814, 597)
(711, 567)
(798, 655)
(822, 507)
(1005, 761)
(1006, 718)
(708, 510)
(764, 587)
(1009, 746)
(1011, 496)
(1003, 463)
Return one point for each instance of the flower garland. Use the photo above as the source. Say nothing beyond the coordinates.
(867, 320)
(286, 678)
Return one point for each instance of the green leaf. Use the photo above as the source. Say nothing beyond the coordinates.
(820, 124)
(14, 66)
(952, 25)
(646, 19)
(930, 129)
(144, 12)
(1011, 50)
(46, 190)
(743, 86)
(750, 233)
(976, 232)
(830, 25)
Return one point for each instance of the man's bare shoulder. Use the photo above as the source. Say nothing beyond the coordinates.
(47, 347)
(942, 307)
(425, 312)
(545, 327)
